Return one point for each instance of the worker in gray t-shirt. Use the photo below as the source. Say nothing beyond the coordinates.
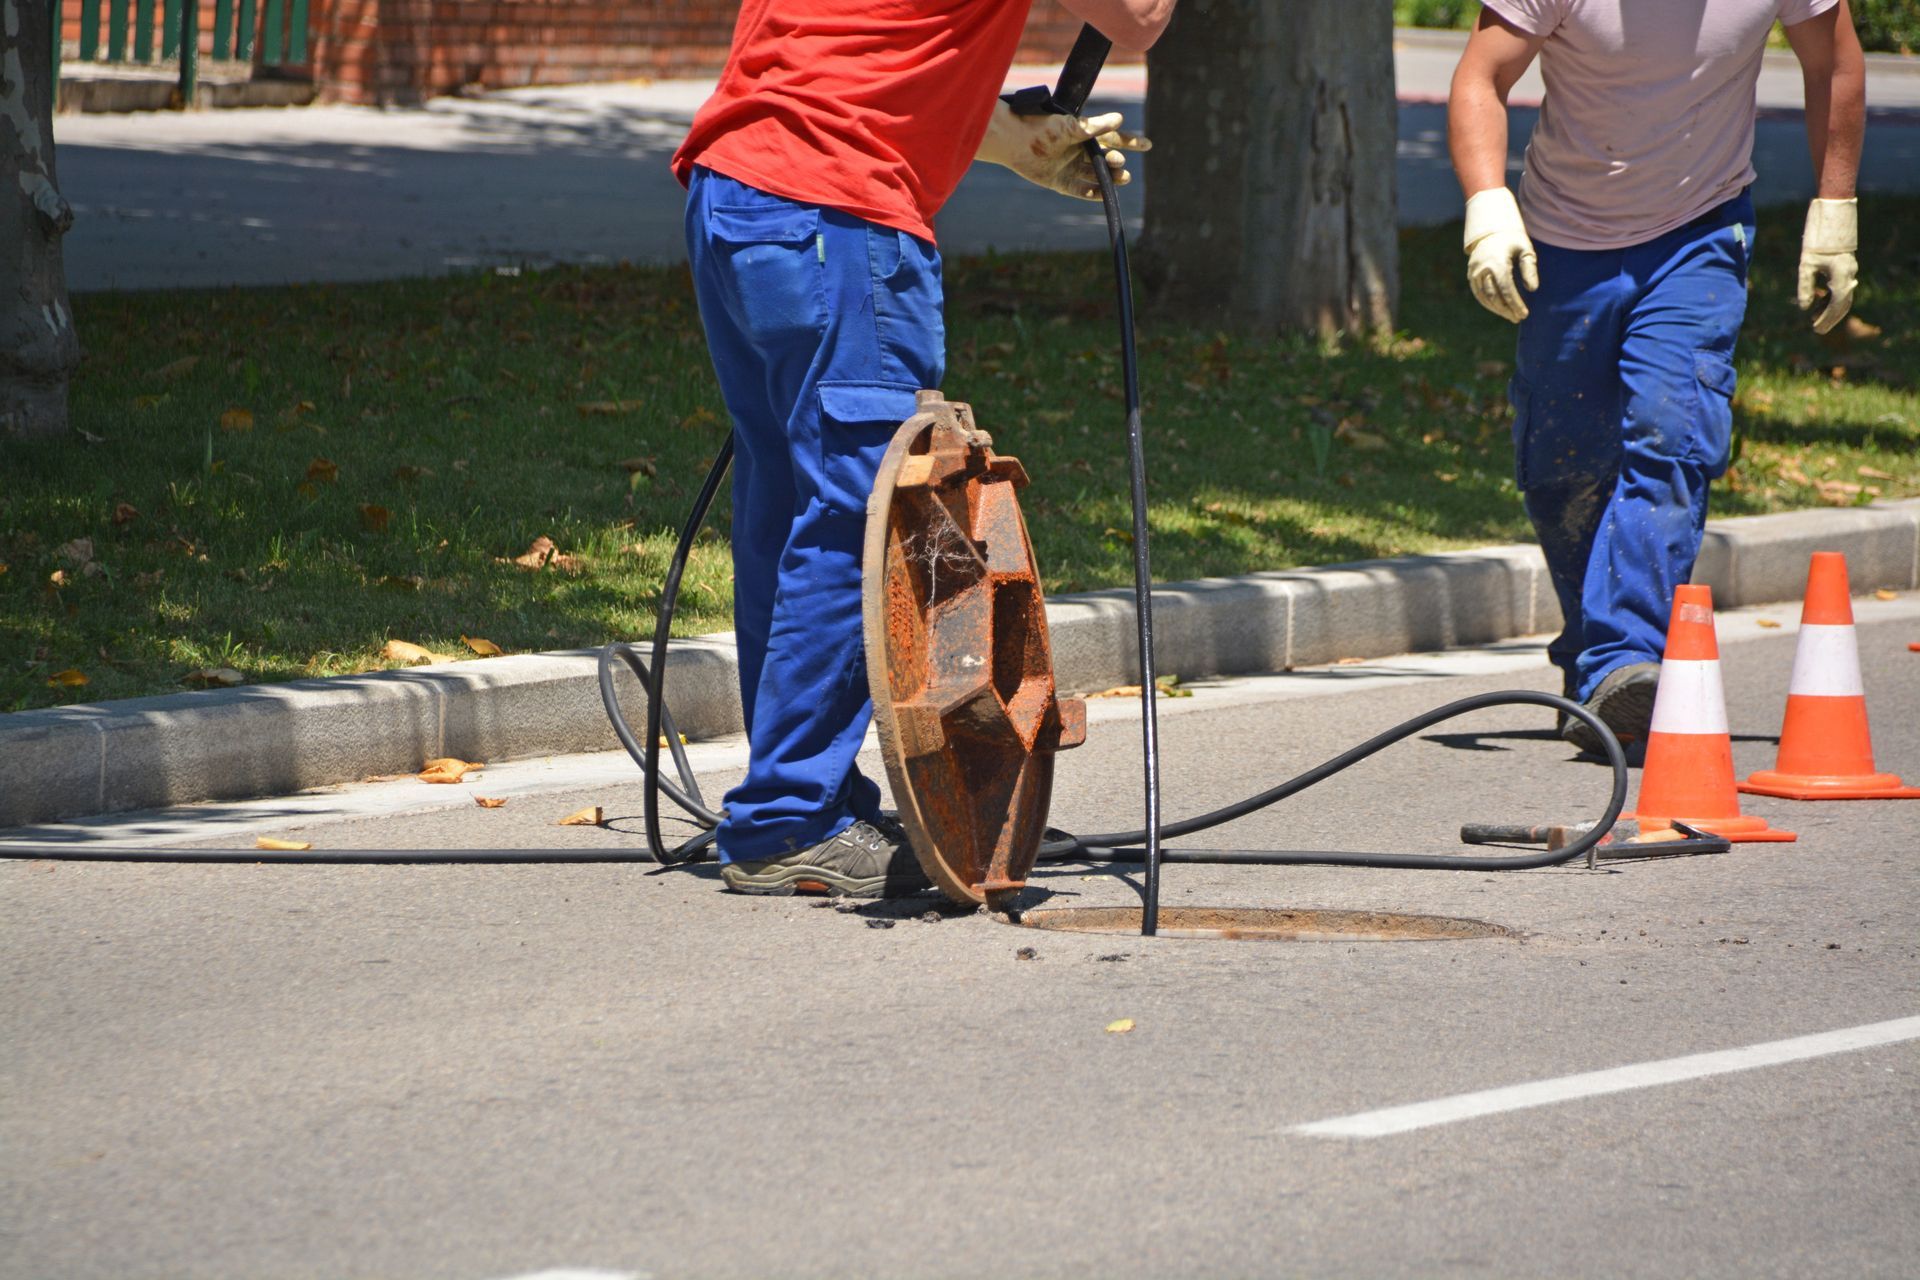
(1624, 262)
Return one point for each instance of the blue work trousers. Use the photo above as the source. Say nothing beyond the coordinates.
(821, 326)
(1623, 413)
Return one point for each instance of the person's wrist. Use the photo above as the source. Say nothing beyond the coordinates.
(1833, 226)
(1489, 212)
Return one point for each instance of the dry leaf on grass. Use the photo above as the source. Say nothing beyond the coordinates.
(541, 553)
(1875, 473)
(1120, 1027)
(68, 679)
(412, 654)
(175, 368)
(78, 553)
(482, 646)
(644, 465)
(584, 818)
(589, 408)
(409, 473)
(1884, 594)
(323, 471)
(125, 513)
(213, 677)
(411, 582)
(237, 420)
(283, 846)
(1768, 623)
(489, 802)
(448, 769)
(375, 517)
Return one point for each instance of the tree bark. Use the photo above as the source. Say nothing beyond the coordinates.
(1270, 206)
(38, 348)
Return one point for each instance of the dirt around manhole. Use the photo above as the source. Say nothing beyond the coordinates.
(1267, 924)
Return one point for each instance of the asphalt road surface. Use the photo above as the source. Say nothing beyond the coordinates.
(481, 1072)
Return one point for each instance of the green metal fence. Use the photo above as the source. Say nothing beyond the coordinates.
(271, 33)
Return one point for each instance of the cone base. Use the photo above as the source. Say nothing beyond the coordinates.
(1803, 786)
(1739, 829)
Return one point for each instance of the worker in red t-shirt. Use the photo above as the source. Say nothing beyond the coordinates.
(813, 174)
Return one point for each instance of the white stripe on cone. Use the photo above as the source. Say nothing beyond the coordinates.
(1691, 699)
(1827, 663)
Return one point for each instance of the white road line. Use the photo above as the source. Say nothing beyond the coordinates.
(1641, 1075)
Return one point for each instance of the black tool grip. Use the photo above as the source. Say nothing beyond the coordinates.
(1089, 54)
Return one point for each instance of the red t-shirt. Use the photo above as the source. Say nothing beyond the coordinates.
(872, 107)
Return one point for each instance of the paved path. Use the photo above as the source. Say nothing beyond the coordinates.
(472, 1072)
(579, 175)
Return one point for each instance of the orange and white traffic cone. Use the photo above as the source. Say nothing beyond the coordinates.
(1826, 752)
(1688, 775)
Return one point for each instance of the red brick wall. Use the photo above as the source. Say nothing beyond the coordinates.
(388, 51)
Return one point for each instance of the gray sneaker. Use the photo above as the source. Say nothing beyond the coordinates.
(1624, 703)
(861, 862)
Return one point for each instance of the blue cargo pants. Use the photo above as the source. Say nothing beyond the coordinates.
(821, 326)
(1623, 413)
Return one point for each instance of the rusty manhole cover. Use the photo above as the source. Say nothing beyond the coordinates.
(1267, 924)
(958, 657)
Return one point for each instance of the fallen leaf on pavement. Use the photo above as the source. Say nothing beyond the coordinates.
(1768, 623)
(1121, 1027)
(1884, 594)
(68, 679)
(584, 818)
(447, 769)
(482, 646)
(663, 740)
(1347, 662)
(283, 846)
(214, 677)
(489, 802)
(237, 420)
(406, 651)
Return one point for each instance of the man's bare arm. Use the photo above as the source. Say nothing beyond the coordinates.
(1496, 56)
(1132, 25)
(1834, 72)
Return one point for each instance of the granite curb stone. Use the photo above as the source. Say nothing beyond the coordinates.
(276, 739)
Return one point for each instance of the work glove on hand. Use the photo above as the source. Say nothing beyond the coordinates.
(1496, 240)
(1050, 150)
(1826, 249)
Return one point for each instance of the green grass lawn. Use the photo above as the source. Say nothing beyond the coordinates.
(280, 481)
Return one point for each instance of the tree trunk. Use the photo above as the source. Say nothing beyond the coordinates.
(38, 348)
(1270, 205)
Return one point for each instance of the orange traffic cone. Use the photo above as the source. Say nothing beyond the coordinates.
(1689, 770)
(1826, 752)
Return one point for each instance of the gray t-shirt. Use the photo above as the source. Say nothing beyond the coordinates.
(1648, 116)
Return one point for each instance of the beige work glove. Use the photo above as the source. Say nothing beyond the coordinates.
(1496, 241)
(1050, 150)
(1826, 250)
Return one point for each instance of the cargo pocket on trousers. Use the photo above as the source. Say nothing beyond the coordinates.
(773, 254)
(1713, 438)
(857, 423)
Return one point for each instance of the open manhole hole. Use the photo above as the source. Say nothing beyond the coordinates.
(1268, 924)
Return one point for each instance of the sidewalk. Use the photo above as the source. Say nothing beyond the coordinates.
(578, 174)
(278, 739)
